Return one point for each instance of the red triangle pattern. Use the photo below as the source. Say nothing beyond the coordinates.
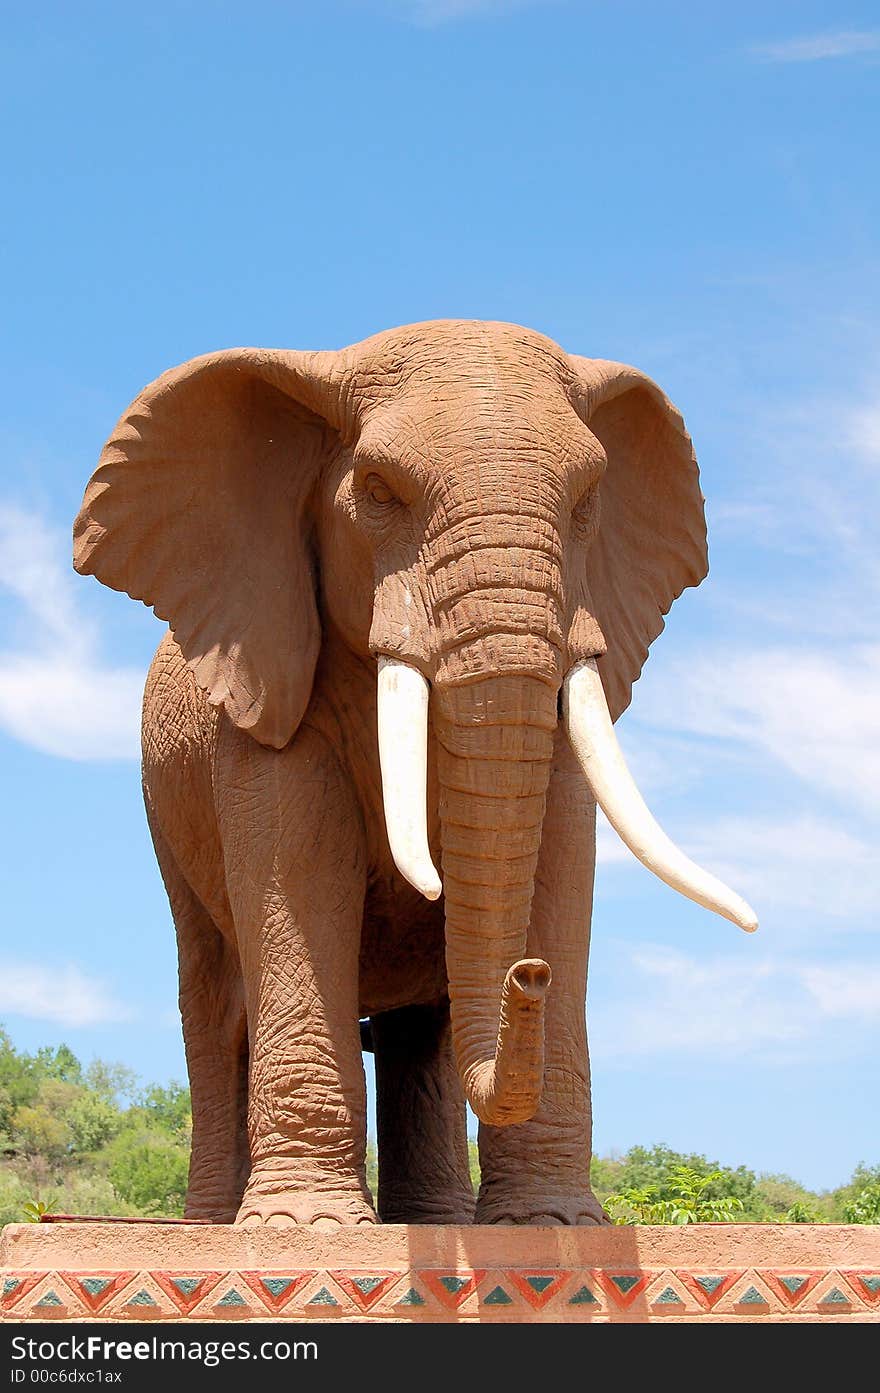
(365, 1299)
(186, 1301)
(623, 1298)
(704, 1298)
(860, 1286)
(453, 1299)
(8, 1299)
(115, 1282)
(538, 1299)
(791, 1299)
(275, 1303)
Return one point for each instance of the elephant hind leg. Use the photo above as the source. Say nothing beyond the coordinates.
(421, 1120)
(212, 1008)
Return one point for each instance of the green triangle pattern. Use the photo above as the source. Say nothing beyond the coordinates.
(412, 1298)
(367, 1284)
(185, 1285)
(453, 1284)
(752, 1297)
(50, 1299)
(10, 1284)
(276, 1286)
(793, 1284)
(835, 1297)
(232, 1298)
(498, 1297)
(94, 1285)
(709, 1284)
(584, 1297)
(872, 1283)
(540, 1284)
(624, 1284)
(141, 1298)
(668, 1297)
(322, 1298)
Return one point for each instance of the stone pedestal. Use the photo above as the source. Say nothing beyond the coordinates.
(705, 1272)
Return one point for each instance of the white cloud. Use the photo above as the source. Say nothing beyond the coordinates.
(844, 43)
(678, 1004)
(805, 863)
(610, 850)
(844, 991)
(816, 712)
(65, 996)
(56, 693)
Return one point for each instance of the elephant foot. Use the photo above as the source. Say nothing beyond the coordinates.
(277, 1201)
(542, 1210)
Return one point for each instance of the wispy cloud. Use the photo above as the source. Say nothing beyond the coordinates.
(844, 991)
(843, 43)
(799, 870)
(56, 692)
(678, 1004)
(65, 996)
(817, 713)
(780, 702)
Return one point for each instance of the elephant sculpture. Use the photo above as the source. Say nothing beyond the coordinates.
(409, 586)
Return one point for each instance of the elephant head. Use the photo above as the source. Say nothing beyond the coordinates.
(498, 527)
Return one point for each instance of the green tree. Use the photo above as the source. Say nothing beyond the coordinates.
(149, 1170)
(865, 1207)
(110, 1081)
(92, 1120)
(685, 1199)
(801, 1213)
(58, 1062)
(168, 1108)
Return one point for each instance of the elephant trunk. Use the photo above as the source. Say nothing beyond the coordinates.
(494, 750)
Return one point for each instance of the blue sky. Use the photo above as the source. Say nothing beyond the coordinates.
(690, 188)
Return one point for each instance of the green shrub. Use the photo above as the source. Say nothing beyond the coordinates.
(149, 1170)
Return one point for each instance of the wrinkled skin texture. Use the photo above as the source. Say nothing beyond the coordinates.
(470, 500)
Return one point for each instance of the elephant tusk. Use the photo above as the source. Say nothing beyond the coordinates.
(403, 758)
(588, 722)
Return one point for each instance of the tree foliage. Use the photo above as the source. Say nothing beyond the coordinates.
(91, 1140)
(88, 1140)
(681, 1198)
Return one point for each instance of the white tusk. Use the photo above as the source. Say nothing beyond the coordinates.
(588, 722)
(403, 757)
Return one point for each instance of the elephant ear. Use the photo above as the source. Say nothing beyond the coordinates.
(651, 540)
(199, 507)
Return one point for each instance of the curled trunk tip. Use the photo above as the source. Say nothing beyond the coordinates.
(529, 979)
(508, 1088)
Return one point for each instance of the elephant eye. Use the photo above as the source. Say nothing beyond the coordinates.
(378, 491)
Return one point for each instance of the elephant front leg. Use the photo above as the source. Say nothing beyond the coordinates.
(538, 1172)
(296, 870)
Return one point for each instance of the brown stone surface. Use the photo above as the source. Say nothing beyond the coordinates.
(705, 1272)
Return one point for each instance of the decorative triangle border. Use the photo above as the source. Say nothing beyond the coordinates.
(623, 1285)
(537, 1286)
(365, 1288)
(778, 1280)
(186, 1301)
(866, 1285)
(113, 1282)
(707, 1299)
(276, 1301)
(453, 1287)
